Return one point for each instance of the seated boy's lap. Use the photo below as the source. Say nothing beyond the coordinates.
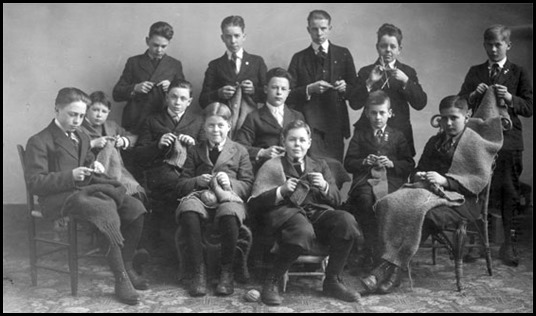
(212, 214)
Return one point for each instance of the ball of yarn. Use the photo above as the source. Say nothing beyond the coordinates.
(252, 296)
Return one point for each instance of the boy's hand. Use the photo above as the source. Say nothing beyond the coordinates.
(80, 173)
(99, 142)
(502, 93)
(317, 180)
(143, 87)
(247, 87)
(97, 167)
(383, 161)
(226, 92)
(203, 180)
(119, 142)
(289, 186)
(420, 175)
(435, 178)
(164, 84)
(319, 87)
(481, 88)
(223, 180)
(166, 140)
(187, 139)
(271, 152)
(370, 160)
(375, 75)
(340, 86)
(399, 75)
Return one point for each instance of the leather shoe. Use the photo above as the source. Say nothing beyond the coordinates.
(198, 287)
(508, 255)
(139, 282)
(392, 281)
(334, 287)
(225, 285)
(270, 292)
(124, 290)
(377, 277)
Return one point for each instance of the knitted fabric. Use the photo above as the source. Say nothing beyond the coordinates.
(241, 105)
(270, 176)
(177, 154)
(379, 183)
(215, 195)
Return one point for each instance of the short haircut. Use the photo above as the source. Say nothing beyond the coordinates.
(391, 30)
(294, 125)
(280, 73)
(100, 97)
(454, 101)
(497, 31)
(233, 20)
(218, 109)
(69, 95)
(180, 83)
(161, 29)
(318, 15)
(377, 97)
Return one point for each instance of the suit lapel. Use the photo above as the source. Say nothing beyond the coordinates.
(310, 61)
(503, 75)
(83, 146)
(266, 116)
(483, 73)
(311, 165)
(63, 140)
(245, 64)
(288, 168)
(288, 116)
(333, 56)
(145, 64)
(202, 151)
(226, 154)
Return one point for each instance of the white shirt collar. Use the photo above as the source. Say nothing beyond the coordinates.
(220, 146)
(276, 109)
(325, 45)
(501, 63)
(59, 125)
(291, 160)
(172, 114)
(383, 130)
(239, 54)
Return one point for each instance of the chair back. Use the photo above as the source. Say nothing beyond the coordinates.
(29, 196)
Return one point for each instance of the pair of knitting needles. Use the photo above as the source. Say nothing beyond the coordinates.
(385, 74)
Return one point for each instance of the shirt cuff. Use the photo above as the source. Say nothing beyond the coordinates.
(278, 196)
(307, 95)
(325, 192)
(126, 142)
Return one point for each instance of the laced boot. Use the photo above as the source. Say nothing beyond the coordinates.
(199, 281)
(226, 283)
(139, 282)
(392, 281)
(124, 290)
(377, 277)
(334, 287)
(270, 291)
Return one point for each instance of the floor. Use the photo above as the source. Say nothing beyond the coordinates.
(434, 290)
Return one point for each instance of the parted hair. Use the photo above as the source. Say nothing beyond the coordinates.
(318, 15)
(454, 101)
(161, 29)
(294, 125)
(497, 31)
(233, 20)
(377, 97)
(391, 30)
(69, 95)
(181, 83)
(218, 109)
(100, 97)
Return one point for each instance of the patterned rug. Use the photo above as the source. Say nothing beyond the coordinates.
(434, 288)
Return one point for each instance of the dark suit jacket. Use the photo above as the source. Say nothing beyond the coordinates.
(274, 215)
(261, 130)
(233, 160)
(138, 69)
(220, 73)
(413, 95)
(517, 81)
(394, 146)
(156, 125)
(50, 160)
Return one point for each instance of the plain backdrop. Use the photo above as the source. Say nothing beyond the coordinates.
(50, 46)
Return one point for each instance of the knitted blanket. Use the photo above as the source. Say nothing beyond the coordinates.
(114, 167)
(214, 195)
(401, 213)
(177, 154)
(241, 105)
(379, 183)
(97, 202)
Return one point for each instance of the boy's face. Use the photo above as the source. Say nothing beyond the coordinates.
(233, 37)
(453, 120)
(178, 100)
(388, 48)
(297, 143)
(319, 30)
(277, 91)
(378, 115)
(496, 49)
(157, 46)
(97, 113)
(71, 115)
(216, 129)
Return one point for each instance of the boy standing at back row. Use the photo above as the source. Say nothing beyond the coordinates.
(323, 75)
(512, 85)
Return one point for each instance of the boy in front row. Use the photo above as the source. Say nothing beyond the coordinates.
(512, 84)
(59, 163)
(380, 160)
(297, 197)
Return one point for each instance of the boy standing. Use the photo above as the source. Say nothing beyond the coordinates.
(261, 131)
(512, 84)
(380, 160)
(323, 75)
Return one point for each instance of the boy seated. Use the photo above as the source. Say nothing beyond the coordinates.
(380, 160)
(296, 196)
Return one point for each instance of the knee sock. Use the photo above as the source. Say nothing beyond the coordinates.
(115, 260)
(228, 226)
(338, 254)
(191, 225)
(131, 233)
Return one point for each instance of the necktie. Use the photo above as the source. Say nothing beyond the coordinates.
(233, 62)
(379, 136)
(74, 139)
(297, 166)
(155, 62)
(214, 153)
(322, 54)
(494, 75)
(279, 117)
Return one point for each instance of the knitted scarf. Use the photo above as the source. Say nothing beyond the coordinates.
(241, 105)
(401, 213)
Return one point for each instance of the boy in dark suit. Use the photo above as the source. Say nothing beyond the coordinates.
(60, 167)
(235, 70)
(146, 78)
(380, 160)
(398, 80)
(296, 196)
(323, 75)
(219, 168)
(261, 131)
(157, 143)
(512, 84)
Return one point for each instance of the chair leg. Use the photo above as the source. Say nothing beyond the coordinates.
(73, 255)
(487, 249)
(33, 249)
(285, 281)
(434, 250)
(460, 237)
